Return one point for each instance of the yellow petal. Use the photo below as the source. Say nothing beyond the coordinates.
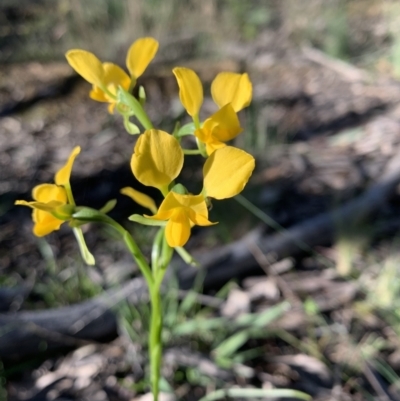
(182, 211)
(47, 207)
(226, 125)
(46, 193)
(87, 65)
(157, 159)
(167, 207)
(48, 197)
(140, 54)
(226, 172)
(177, 230)
(97, 94)
(45, 223)
(63, 175)
(140, 198)
(206, 137)
(115, 76)
(111, 108)
(230, 87)
(190, 89)
(198, 211)
(23, 203)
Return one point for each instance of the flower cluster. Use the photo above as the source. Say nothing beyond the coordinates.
(157, 161)
(158, 156)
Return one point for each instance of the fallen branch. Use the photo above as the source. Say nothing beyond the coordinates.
(25, 334)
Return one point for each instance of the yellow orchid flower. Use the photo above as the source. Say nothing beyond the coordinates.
(107, 77)
(230, 91)
(54, 204)
(157, 159)
(182, 212)
(48, 197)
(113, 77)
(50, 206)
(233, 88)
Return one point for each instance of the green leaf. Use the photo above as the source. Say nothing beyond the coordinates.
(137, 218)
(88, 214)
(186, 256)
(228, 347)
(267, 393)
(130, 128)
(253, 321)
(142, 95)
(187, 129)
(136, 108)
(86, 255)
(108, 206)
(264, 318)
(199, 326)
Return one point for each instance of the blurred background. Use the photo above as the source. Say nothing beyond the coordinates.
(299, 290)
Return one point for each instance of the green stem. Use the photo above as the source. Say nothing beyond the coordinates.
(191, 152)
(196, 121)
(134, 250)
(129, 100)
(202, 148)
(161, 257)
(155, 344)
(161, 260)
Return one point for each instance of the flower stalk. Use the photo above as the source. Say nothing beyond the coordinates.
(157, 161)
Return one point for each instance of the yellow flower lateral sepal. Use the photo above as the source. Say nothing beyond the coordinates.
(140, 198)
(157, 159)
(226, 172)
(233, 88)
(182, 212)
